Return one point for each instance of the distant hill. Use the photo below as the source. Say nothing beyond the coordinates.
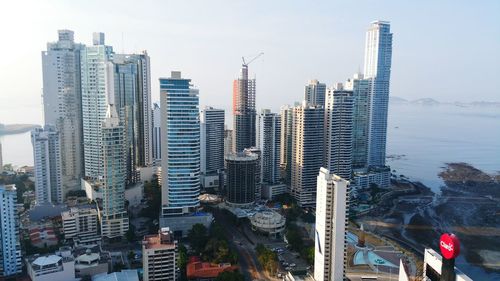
(394, 99)
(431, 101)
(16, 128)
(425, 101)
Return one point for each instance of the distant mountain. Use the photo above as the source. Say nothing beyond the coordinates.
(425, 101)
(16, 128)
(431, 101)
(394, 99)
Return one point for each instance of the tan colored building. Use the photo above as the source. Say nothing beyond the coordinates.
(159, 255)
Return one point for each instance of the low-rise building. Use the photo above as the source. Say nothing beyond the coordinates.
(268, 222)
(198, 270)
(81, 225)
(159, 255)
(380, 176)
(91, 263)
(42, 234)
(51, 268)
(124, 275)
(270, 191)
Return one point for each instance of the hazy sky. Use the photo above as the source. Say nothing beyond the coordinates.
(446, 50)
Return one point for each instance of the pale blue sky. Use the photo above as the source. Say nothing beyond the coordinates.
(447, 50)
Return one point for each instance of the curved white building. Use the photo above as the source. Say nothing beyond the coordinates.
(268, 222)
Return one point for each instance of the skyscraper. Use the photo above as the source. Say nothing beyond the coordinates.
(212, 145)
(156, 134)
(378, 55)
(62, 103)
(361, 117)
(241, 180)
(48, 166)
(133, 99)
(244, 112)
(97, 92)
(338, 131)
(269, 134)
(314, 93)
(180, 145)
(286, 143)
(251, 151)
(331, 220)
(10, 250)
(113, 216)
(307, 152)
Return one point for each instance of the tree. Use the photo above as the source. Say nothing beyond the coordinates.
(198, 237)
(183, 260)
(230, 276)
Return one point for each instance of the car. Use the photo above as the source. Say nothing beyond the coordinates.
(288, 268)
(292, 265)
(285, 264)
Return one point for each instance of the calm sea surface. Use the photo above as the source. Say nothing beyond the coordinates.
(424, 138)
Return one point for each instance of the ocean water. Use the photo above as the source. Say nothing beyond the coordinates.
(17, 149)
(425, 138)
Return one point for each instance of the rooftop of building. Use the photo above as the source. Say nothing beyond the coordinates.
(40, 212)
(198, 269)
(8, 187)
(40, 261)
(164, 239)
(242, 156)
(124, 275)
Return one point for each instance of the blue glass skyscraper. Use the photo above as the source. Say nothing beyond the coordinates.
(180, 145)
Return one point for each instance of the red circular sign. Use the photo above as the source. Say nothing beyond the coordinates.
(449, 245)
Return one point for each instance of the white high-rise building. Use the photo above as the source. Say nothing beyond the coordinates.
(308, 147)
(286, 143)
(47, 165)
(156, 134)
(97, 92)
(338, 131)
(378, 56)
(269, 141)
(315, 93)
(113, 215)
(10, 250)
(62, 103)
(212, 146)
(331, 220)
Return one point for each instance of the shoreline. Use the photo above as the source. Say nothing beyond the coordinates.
(467, 205)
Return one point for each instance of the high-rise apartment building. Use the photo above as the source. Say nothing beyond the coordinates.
(212, 146)
(156, 134)
(241, 169)
(113, 215)
(47, 164)
(258, 172)
(97, 86)
(269, 140)
(159, 256)
(338, 131)
(62, 103)
(228, 141)
(10, 250)
(133, 102)
(244, 113)
(315, 92)
(378, 56)
(286, 114)
(331, 220)
(307, 152)
(180, 145)
(361, 117)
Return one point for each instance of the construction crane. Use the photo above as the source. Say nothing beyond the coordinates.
(245, 64)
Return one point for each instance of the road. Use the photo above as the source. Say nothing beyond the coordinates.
(249, 265)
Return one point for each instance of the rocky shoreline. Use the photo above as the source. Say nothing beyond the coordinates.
(468, 205)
